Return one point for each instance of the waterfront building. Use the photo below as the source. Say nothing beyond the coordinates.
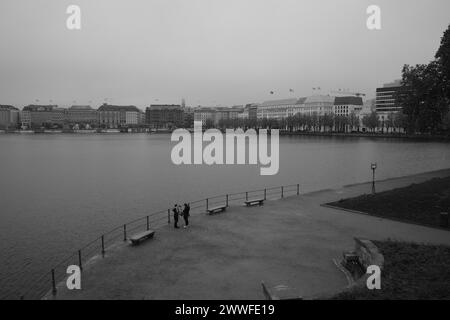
(299, 107)
(205, 115)
(82, 115)
(225, 113)
(9, 117)
(188, 117)
(276, 109)
(318, 105)
(345, 106)
(243, 115)
(386, 101)
(386, 97)
(250, 112)
(114, 117)
(280, 109)
(221, 114)
(38, 116)
(25, 119)
(164, 116)
(134, 117)
(141, 118)
(59, 115)
(369, 105)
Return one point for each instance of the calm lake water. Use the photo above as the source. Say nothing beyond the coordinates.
(58, 192)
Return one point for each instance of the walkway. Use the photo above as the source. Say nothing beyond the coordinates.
(226, 256)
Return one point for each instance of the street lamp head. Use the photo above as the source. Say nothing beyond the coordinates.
(373, 166)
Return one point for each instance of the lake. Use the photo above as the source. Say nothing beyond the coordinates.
(59, 192)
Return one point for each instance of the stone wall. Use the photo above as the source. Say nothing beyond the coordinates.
(368, 253)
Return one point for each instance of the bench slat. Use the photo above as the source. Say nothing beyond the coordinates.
(141, 236)
(254, 201)
(220, 208)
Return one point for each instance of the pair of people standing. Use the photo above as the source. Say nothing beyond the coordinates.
(184, 212)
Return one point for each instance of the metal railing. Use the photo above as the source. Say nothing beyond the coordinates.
(48, 282)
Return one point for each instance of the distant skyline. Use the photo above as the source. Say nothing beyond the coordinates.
(210, 52)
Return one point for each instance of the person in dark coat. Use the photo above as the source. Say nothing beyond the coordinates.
(175, 216)
(186, 210)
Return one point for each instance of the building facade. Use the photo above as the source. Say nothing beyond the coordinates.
(164, 116)
(205, 115)
(281, 109)
(82, 115)
(251, 111)
(386, 100)
(114, 117)
(345, 106)
(9, 117)
(276, 109)
(386, 97)
(39, 116)
(318, 105)
(225, 113)
(188, 117)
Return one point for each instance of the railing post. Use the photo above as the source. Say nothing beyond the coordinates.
(282, 191)
(246, 196)
(207, 204)
(103, 245)
(79, 260)
(298, 189)
(53, 282)
(148, 224)
(265, 194)
(227, 200)
(124, 232)
(168, 216)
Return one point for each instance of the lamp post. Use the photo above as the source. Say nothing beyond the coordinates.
(373, 166)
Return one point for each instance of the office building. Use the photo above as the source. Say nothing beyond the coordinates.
(164, 116)
(39, 116)
(82, 115)
(9, 117)
(114, 117)
(345, 106)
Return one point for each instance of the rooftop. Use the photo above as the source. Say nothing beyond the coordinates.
(7, 107)
(281, 102)
(230, 109)
(81, 108)
(320, 99)
(165, 107)
(109, 107)
(204, 109)
(395, 83)
(350, 100)
(301, 100)
(39, 107)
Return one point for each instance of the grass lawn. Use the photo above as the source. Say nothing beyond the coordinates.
(420, 203)
(411, 272)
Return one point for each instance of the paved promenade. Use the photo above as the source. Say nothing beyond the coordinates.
(226, 256)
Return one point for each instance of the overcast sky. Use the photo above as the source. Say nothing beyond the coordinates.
(208, 51)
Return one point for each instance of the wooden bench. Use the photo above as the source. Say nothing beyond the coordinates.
(253, 202)
(216, 209)
(137, 238)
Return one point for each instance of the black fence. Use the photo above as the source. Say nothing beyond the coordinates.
(47, 283)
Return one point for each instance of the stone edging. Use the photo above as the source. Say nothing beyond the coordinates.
(327, 205)
(368, 255)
